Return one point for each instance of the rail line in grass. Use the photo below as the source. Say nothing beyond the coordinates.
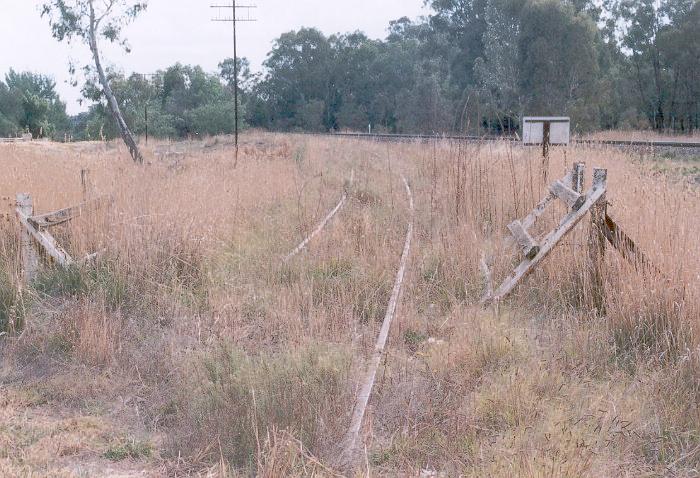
(352, 437)
(302, 245)
(392, 137)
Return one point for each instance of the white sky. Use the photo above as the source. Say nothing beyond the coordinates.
(181, 30)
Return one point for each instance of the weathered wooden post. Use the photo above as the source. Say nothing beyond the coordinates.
(577, 177)
(85, 183)
(546, 138)
(597, 242)
(30, 258)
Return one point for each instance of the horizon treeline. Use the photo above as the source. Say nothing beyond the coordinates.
(470, 66)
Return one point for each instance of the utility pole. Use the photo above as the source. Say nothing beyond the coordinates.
(146, 77)
(221, 12)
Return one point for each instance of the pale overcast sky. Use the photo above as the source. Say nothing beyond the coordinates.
(181, 30)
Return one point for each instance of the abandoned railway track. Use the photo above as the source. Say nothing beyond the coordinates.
(688, 145)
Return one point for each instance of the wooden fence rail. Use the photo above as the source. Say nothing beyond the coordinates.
(34, 230)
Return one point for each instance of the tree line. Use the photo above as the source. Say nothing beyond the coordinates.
(468, 66)
(480, 65)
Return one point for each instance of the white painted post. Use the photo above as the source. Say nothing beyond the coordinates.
(30, 258)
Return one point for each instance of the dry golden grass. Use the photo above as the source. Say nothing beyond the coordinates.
(190, 333)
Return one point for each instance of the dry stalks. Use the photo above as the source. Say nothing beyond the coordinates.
(245, 365)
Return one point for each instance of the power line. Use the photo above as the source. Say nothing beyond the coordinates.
(221, 16)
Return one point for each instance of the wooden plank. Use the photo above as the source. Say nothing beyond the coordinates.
(30, 258)
(525, 240)
(46, 240)
(531, 218)
(551, 240)
(577, 177)
(85, 183)
(596, 244)
(627, 247)
(64, 215)
(572, 199)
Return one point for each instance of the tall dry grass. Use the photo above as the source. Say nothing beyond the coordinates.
(242, 360)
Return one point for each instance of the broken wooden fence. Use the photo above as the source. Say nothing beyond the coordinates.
(603, 228)
(34, 230)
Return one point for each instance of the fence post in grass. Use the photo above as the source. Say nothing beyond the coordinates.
(597, 242)
(30, 258)
(577, 177)
(85, 183)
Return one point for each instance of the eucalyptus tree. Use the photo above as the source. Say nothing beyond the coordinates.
(91, 21)
(41, 111)
(639, 28)
(29, 102)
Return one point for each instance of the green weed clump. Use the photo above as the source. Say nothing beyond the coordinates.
(130, 448)
(103, 279)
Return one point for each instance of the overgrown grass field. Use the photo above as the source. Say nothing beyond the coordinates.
(188, 347)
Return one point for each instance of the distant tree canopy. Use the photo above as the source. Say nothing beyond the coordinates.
(29, 103)
(480, 65)
(182, 101)
(469, 66)
(91, 22)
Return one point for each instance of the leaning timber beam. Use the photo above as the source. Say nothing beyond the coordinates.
(64, 215)
(551, 240)
(46, 240)
(573, 179)
(626, 246)
(572, 199)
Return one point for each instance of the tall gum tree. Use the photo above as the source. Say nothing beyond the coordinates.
(90, 21)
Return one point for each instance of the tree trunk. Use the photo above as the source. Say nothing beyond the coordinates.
(109, 94)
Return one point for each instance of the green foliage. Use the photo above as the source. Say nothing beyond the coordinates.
(99, 279)
(182, 101)
(662, 43)
(413, 339)
(474, 66)
(29, 103)
(558, 62)
(129, 448)
(479, 65)
(74, 19)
